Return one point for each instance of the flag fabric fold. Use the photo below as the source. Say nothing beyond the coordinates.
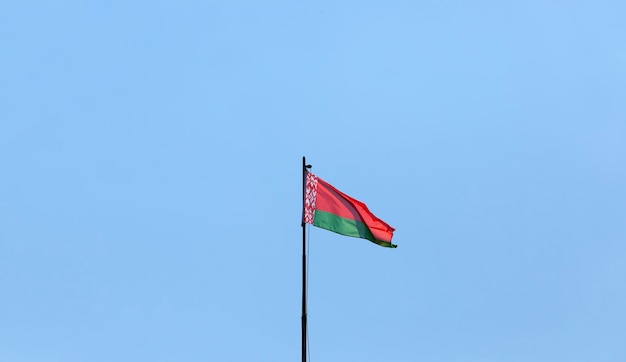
(330, 209)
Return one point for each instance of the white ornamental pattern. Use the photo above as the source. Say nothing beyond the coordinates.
(310, 195)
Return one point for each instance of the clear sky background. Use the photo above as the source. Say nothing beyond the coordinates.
(150, 189)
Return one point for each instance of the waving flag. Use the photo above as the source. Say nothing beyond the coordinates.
(330, 209)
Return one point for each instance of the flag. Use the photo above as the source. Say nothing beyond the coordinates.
(330, 209)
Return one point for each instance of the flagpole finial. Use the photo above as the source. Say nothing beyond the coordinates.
(304, 165)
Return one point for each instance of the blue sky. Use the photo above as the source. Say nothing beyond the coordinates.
(151, 189)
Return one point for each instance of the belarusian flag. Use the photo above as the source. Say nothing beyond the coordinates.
(330, 209)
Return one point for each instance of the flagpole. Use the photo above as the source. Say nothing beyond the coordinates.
(304, 283)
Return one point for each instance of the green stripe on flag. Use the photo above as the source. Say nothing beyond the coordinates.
(347, 227)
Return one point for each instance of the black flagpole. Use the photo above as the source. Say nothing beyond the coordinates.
(304, 284)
